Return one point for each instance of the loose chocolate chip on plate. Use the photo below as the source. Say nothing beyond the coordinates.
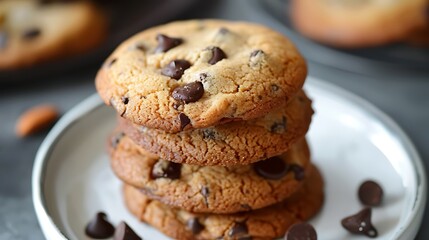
(175, 68)
(301, 231)
(166, 169)
(370, 193)
(271, 168)
(195, 226)
(3, 39)
(31, 33)
(184, 120)
(190, 92)
(360, 223)
(298, 171)
(124, 232)
(217, 55)
(166, 43)
(99, 227)
(238, 229)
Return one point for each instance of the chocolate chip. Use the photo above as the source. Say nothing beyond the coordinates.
(298, 171)
(209, 134)
(190, 92)
(256, 53)
(166, 43)
(116, 139)
(124, 232)
(256, 58)
(271, 168)
(370, 193)
(217, 55)
(184, 121)
(279, 127)
(125, 100)
(203, 77)
(99, 227)
(175, 68)
(246, 207)
(195, 226)
(205, 192)
(360, 223)
(239, 229)
(31, 33)
(176, 106)
(166, 169)
(301, 231)
(113, 61)
(3, 39)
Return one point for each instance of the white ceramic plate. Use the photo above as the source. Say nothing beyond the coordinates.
(351, 141)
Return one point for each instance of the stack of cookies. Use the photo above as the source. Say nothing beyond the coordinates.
(210, 142)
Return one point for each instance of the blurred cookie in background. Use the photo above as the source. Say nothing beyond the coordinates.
(358, 23)
(33, 32)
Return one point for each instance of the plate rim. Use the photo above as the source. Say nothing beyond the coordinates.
(94, 102)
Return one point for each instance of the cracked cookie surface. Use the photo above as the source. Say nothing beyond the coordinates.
(34, 31)
(214, 189)
(265, 223)
(241, 142)
(200, 73)
(358, 23)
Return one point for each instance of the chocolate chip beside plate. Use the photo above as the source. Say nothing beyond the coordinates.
(301, 231)
(166, 169)
(190, 92)
(124, 232)
(271, 168)
(99, 227)
(175, 68)
(217, 55)
(370, 193)
(166, 43)
(195, 226)
(360, 223)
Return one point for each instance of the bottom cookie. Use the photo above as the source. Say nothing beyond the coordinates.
(265, 223)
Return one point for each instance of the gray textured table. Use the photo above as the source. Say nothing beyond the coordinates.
(404, 95)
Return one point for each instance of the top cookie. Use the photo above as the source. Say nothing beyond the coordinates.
(33, 31)
(357, 23)
(199, 73)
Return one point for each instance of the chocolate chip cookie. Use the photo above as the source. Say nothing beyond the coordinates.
(241, 142)
(213, 189)
(357, 23)
(200, 73)
(33, 31)
(265, 223)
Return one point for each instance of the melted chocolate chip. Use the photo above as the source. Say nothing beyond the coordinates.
(271, 168)
(279, 127)
(3, 39)
(360, 223)
(370, 193)
(190, 92)
(195, 226)
(125, 100)
(124, 232)
(99, 227)
(298, 171)
(217, 55)
(175, 69)
(239, 229)
(31, 33)
(166, 43)
(116, 139)
(166, 169)
(301, 231)
(184, 120)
